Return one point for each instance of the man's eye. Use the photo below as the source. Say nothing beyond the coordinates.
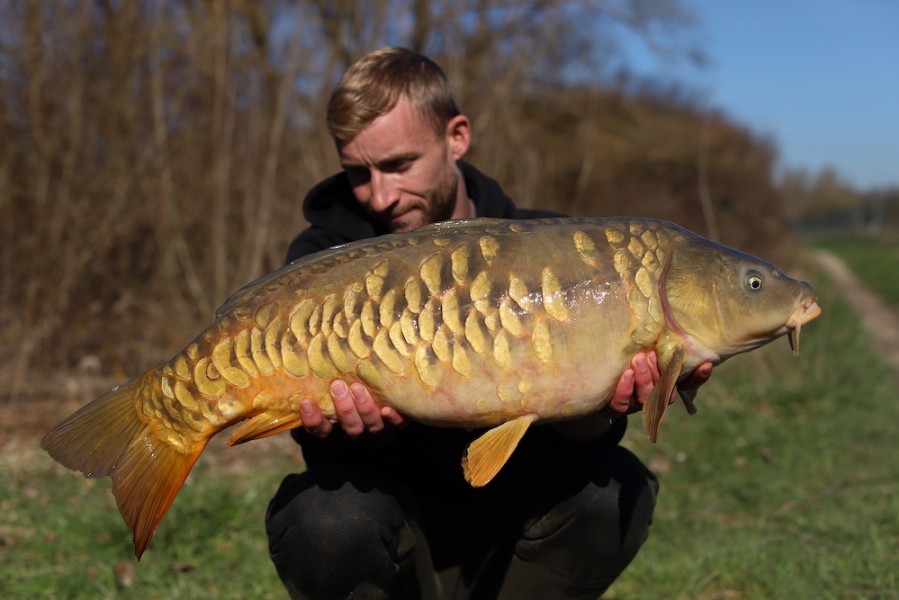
(398, 166)
(357, 175)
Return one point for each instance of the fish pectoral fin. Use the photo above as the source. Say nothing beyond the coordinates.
(264, 425)
(688, 402)
(671, 360)
(487, 454)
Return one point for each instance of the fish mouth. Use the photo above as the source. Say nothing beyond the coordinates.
(805, 312)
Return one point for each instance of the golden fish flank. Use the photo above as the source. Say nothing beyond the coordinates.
(481, 323)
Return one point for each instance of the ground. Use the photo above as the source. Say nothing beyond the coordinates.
(879, 321)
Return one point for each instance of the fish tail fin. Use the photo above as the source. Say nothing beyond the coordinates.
(110, 436)
(670, 362)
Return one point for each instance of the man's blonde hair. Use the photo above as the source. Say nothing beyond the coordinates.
(374, 85)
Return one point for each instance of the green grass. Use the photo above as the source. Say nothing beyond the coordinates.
(62, 537)
(874, 260)
(785, 485)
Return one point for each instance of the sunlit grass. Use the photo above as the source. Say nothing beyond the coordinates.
(874, 260)
(62, 537)
(785, 485)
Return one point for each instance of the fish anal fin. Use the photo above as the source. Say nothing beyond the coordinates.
(671, 360)
(688, 402)
(263, 425)
(487, 454)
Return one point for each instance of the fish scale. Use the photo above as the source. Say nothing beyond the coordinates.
(240, 356)
(482, 323)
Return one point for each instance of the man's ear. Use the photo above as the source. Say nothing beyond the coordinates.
(458, 136)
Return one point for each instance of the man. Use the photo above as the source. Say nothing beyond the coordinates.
(383, 510)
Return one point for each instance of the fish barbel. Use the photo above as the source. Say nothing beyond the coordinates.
(481, 323)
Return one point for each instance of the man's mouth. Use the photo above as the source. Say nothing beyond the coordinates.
(403, 220)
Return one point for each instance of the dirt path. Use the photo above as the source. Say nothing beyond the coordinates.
(877, 318)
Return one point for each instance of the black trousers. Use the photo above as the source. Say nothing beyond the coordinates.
(561, 520)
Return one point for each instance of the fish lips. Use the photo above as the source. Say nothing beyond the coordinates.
(805, 312)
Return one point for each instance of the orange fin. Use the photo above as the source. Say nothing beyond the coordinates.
(264, 425)
(110, 437)
(671, 359)
(487, 454)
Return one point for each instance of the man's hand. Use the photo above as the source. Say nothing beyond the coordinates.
(638, 382)
(356, 412)
(633, 390)
(689, 386)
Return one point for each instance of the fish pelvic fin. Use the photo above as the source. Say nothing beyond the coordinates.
(487, 454)
(264, 425)
(671, 360)
(109, 436)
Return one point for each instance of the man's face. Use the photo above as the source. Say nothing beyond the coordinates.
(403, 173)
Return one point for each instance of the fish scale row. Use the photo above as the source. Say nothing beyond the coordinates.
(639, 258)
(424, 318)
(369, 328)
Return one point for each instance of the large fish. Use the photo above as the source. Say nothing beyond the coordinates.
(461, 324)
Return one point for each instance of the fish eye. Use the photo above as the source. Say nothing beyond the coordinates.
(754, 281)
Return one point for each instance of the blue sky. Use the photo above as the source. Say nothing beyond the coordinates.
(820, 77)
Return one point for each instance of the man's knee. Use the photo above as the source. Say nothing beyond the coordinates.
(331, 532)
(637, 489)
(596, 532)
(617, 505)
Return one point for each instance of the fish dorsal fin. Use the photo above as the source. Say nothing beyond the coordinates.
(453, 224)
(487, 454)
(671, 360)
(249, 291)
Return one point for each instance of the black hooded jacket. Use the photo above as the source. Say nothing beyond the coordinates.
(336, 217)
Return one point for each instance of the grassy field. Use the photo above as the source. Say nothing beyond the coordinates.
(62, 537)
(875, 261)
(785, 485)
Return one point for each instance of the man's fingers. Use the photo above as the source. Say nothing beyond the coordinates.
(368, 411)
(313, 420)
(645, 377)
(690, 385)
(355, 409)
(345, 408)
(702, 373)
(699, 376)
(653, 359)
(620, 404)
(389, 415)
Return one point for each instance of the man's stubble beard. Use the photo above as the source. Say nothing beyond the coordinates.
(438, 207)
(441, 209)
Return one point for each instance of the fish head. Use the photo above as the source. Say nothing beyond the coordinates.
(725, 302)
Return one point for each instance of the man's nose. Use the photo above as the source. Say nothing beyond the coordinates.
(383, 192)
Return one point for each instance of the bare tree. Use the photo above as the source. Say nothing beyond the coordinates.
(153, 154)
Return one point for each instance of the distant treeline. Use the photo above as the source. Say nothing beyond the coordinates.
(824, 204)
(153, 155)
